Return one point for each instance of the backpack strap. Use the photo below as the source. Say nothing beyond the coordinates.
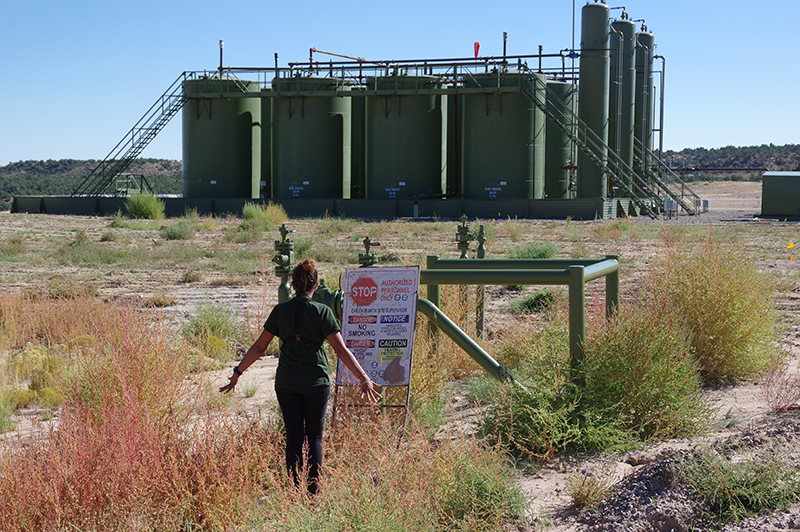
(298, 309)
(298, 317)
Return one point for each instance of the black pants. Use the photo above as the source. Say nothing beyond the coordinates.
(303, 410)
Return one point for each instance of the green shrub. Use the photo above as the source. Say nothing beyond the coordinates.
(83, 251)
(587, 491)
(182, 230)
(20, 399)
(639, 367)
(146, 207)
(261, 217)
(49, 398)
(161, 301)
(6, 411)
(214, 319)
(191, 276)
(214, 347)
(14, 245)
(119, 221)
(537, 302)
(733, 490)
(546, 250)
(544, 421)
(477, 493)
(248, 232)
(725, 302)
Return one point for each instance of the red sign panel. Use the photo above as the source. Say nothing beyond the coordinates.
(364, 291)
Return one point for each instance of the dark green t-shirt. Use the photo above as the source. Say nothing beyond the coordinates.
(302, 363)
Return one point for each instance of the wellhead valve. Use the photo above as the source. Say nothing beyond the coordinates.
(284, 258)
(368, 258)
(464, 237)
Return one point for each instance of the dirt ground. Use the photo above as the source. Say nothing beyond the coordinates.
(740, 410)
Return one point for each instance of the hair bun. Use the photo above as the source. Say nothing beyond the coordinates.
(308, 265)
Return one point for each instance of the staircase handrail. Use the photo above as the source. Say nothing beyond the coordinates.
(135, 140)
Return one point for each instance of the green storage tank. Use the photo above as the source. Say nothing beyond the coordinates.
(221, 139)
(311, 138)
(780, 195)
(623, 85)
(558, 145)
(404, 138)
(593, 92)
(643, 126)
(503, 150)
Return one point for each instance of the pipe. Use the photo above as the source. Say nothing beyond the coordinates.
(462, 339)
(359, 59)
(509, 264)
(504, 277)
(661, 112)
(577, 321)
(220, 58)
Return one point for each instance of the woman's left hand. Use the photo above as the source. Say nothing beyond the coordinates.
(231, 386)
(368, 391)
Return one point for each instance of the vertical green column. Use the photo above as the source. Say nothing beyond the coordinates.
(480, 290)
(612, 289)
(593, 92)
(577, 319)
(433, 293)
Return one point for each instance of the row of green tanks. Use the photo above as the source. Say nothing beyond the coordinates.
(316, 137)
(401, 136)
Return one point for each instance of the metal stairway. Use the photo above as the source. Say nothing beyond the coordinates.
(630, 184)
(135, 141)
(667, 180)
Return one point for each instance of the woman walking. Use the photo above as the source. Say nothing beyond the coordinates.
(302, 382)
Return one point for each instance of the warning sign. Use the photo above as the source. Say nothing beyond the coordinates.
(364, 291)
(380, 308)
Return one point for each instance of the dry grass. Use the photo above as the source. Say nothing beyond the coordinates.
(140, 446)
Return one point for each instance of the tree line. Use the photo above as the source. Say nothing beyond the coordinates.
(784, 158)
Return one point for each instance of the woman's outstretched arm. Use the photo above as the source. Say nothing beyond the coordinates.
(255, 352)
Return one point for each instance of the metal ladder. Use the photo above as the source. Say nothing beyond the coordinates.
(135, 141)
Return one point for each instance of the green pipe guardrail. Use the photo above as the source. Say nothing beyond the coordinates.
(574, 273)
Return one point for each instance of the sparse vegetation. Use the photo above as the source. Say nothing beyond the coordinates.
(587, 490)
(533, 250)
(62, 346)
(182, 230)
(539, 301)
(734, 487)
(191, 276)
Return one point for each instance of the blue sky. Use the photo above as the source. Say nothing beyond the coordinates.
(77, 75)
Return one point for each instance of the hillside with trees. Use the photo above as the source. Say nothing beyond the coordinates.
(62, 177)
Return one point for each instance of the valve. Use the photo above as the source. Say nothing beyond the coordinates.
(284, 259)
(368, 259)
(464, 237)
(481, 241)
